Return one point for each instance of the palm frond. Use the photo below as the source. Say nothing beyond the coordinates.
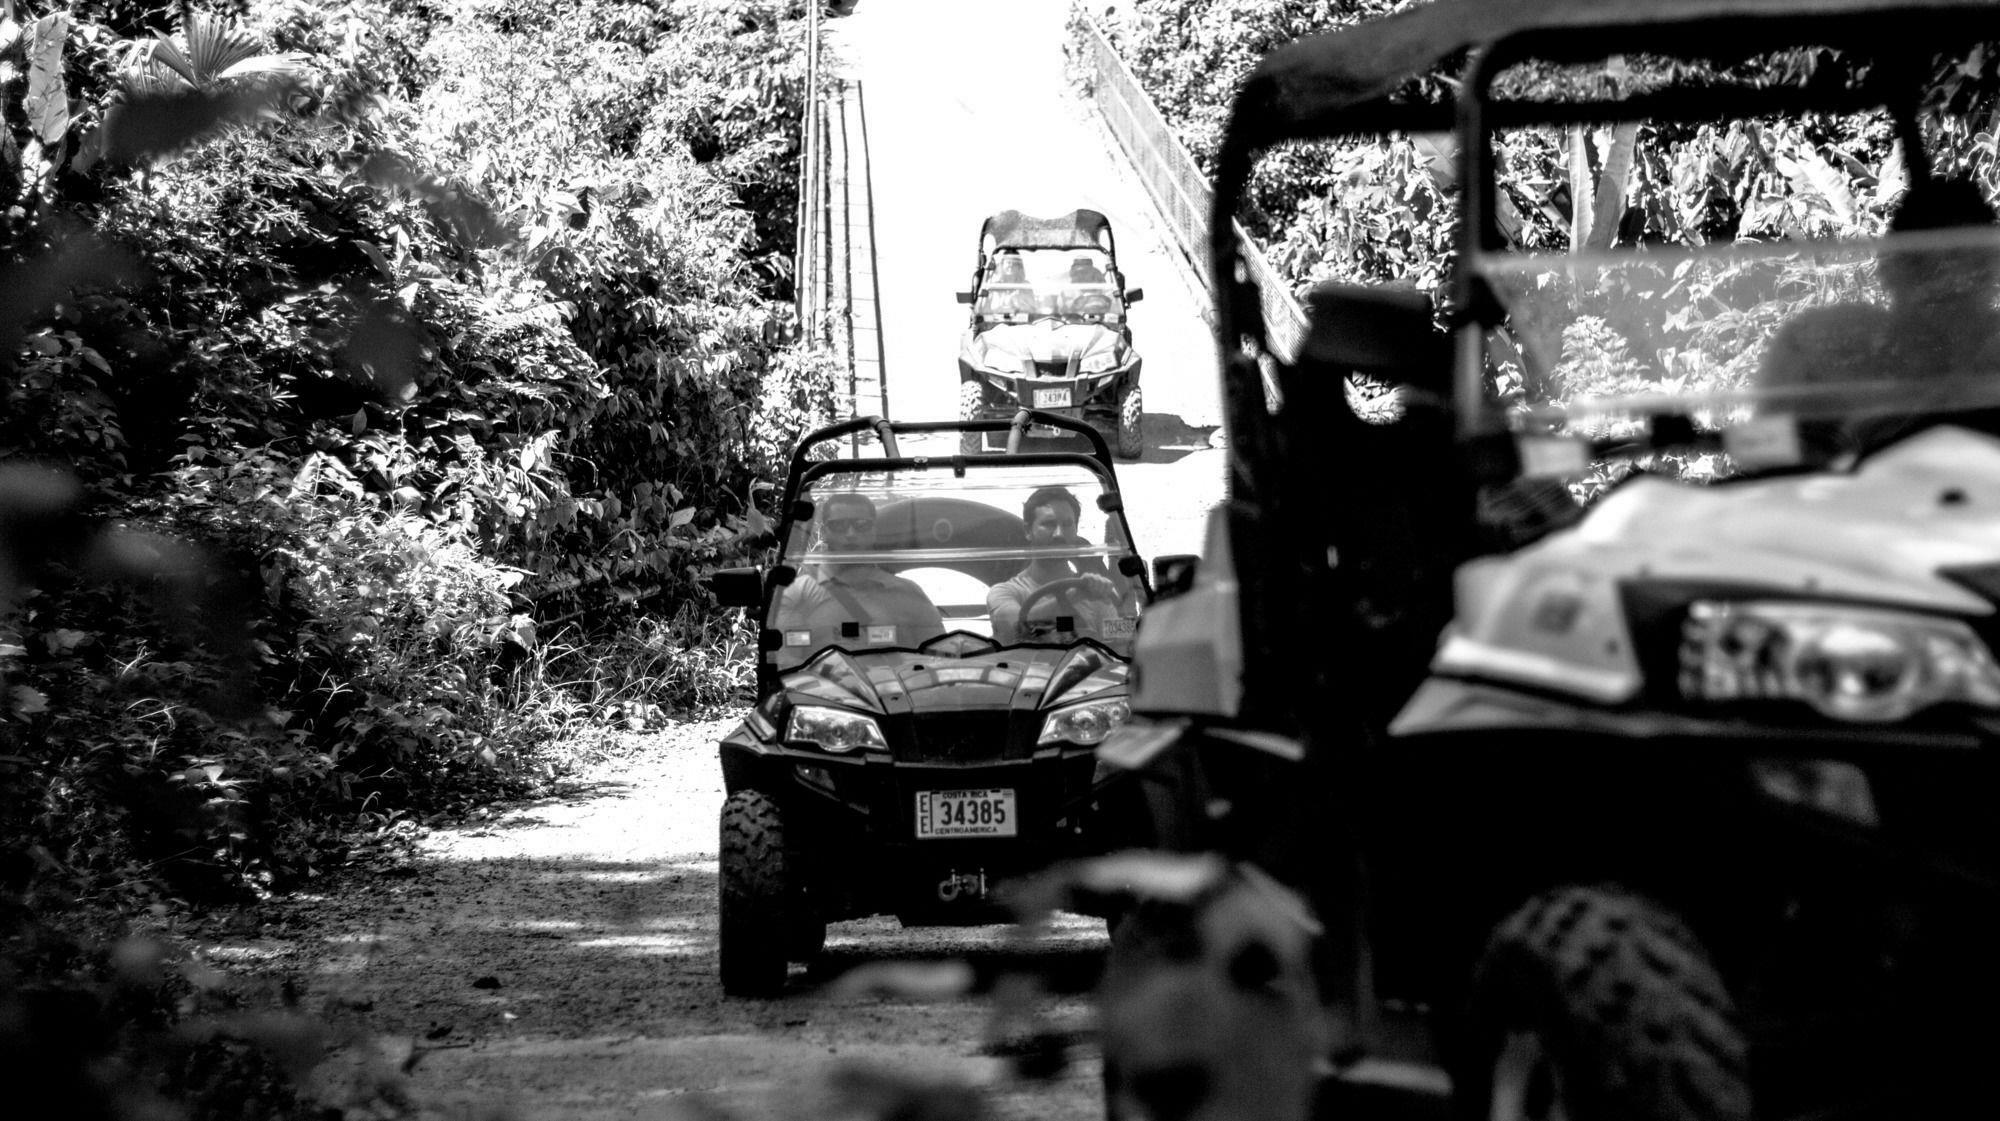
(212, 52)
(163, 52)
(214, 44)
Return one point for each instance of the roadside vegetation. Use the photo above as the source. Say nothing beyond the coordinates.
(380, 376)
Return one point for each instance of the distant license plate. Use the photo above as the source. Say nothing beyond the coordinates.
(1044, 431)
(966, 813)
(1052, 398)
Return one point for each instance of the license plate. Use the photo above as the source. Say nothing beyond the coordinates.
(1052, 398)
(966, 813)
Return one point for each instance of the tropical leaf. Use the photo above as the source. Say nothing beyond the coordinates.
(47, 102)
(163, 52)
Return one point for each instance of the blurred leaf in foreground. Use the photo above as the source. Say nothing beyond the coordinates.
(45, 530)
(33, 287)
(145, 128)
(468, 217)
(931, 980)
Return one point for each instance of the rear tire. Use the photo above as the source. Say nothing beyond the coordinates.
(764, 922)
(1592, 1004)
(1131, 421)
(971, 403)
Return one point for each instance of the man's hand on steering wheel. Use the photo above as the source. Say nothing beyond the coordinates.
(1067, 592)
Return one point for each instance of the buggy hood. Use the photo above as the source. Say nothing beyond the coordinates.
(1892, 531)
(1049, 343)
(1017, 679)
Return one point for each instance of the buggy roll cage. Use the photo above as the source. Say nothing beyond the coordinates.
(1077, 229)
(886, 431)
(804, 469)
(1379, 77)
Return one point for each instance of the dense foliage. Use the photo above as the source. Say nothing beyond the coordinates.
(412, 328)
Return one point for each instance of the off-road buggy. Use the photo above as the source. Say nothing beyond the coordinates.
(1683, 804)
(1048, 329)
(933, 679)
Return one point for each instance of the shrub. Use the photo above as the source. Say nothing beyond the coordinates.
(396, 412)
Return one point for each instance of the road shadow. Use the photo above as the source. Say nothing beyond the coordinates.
(1167, 439)
(575, 947)
(577, 983)
(1170, 439)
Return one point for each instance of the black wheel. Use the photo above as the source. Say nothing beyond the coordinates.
(764, 921)
(1591, 1004)
(971, 402)
(1131, 421)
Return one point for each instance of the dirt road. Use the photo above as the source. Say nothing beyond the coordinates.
(558, 961)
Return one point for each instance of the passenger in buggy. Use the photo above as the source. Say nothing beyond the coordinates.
(855, 603)
(1009, 292)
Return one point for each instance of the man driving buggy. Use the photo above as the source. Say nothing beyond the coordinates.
(859, 603)
(1049, 518)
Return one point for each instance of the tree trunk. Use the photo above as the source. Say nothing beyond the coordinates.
(1612, 178)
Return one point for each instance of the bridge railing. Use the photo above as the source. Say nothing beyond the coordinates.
(1177, 184)
(812, 256)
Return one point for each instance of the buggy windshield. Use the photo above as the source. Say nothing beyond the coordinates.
(1006, 553)
(1070, 284)
(1791, 351)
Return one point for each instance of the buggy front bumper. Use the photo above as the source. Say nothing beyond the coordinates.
(860, 820)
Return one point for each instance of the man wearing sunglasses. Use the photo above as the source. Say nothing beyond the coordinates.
(854, 603)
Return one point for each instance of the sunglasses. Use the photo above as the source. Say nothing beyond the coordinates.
(850, 525)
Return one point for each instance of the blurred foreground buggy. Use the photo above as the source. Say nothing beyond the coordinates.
(943, 645)
(1680, 804)
(1048, 329)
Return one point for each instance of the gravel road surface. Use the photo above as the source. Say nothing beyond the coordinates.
(557, 960)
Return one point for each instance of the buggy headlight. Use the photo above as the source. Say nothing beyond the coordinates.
(833, 729)
(1087, 723)
(1860, 664)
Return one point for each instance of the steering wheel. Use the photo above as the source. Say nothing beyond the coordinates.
(1068, 590)
(1095, 303)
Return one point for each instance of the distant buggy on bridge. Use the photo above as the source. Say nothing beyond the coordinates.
(1049, 328)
